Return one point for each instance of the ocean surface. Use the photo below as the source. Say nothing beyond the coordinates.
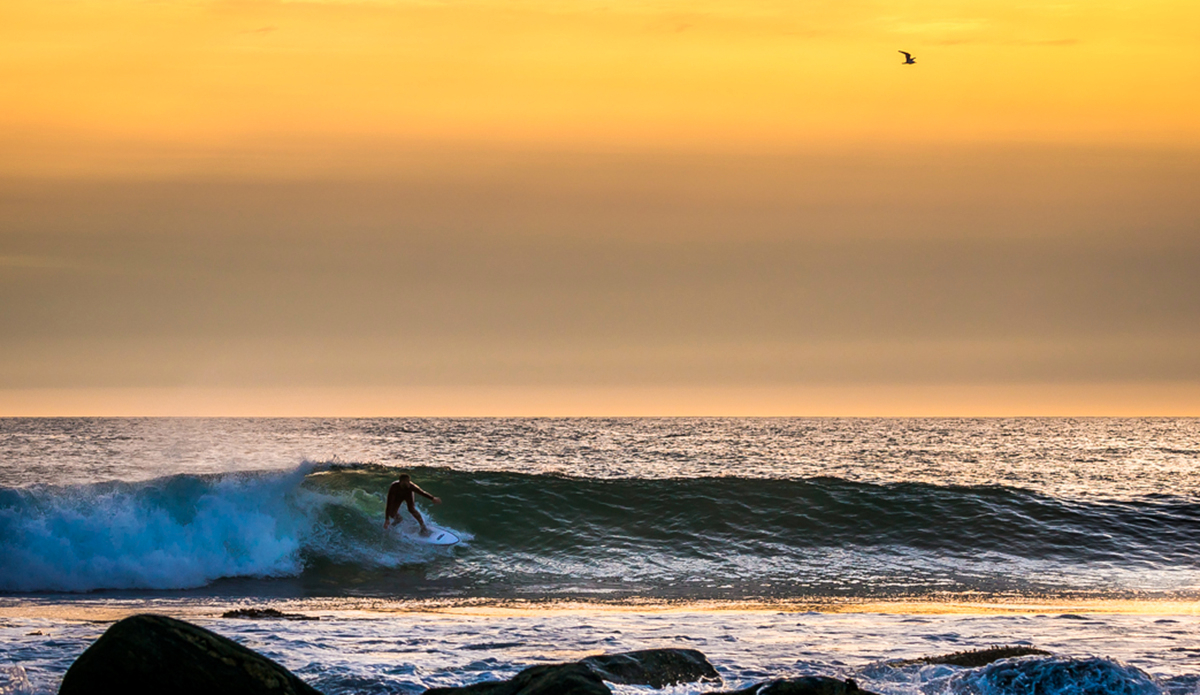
(778, 547)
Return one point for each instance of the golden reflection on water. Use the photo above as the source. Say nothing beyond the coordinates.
(102, 610)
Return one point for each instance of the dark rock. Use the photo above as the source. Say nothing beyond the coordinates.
(805, 685)
(265, 614)
(654, 667)
(554, 679)
(977, 657)
(153, 655)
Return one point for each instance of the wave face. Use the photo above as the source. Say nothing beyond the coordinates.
(317, 531)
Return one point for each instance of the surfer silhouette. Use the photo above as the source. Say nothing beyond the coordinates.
(401, 491)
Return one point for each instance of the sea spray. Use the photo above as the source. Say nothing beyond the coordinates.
(1055, 676)
(171, 533)
(186, 531)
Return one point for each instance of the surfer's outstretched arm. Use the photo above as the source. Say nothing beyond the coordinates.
(426, 495)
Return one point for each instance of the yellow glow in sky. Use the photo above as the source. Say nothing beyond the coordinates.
(201, 73)
(593, 207)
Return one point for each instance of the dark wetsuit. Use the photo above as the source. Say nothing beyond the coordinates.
(401, 492)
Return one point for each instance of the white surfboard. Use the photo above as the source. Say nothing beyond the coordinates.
(436, 536)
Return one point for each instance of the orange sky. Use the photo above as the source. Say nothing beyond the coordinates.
(85, 75)
(590, 207)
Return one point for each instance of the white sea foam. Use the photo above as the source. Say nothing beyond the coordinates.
(14, 681)
(173, 533)
(1056, 676)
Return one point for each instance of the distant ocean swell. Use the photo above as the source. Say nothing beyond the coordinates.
(539, 535)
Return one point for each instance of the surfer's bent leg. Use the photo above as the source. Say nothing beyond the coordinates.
(412, 509)
(391, 513)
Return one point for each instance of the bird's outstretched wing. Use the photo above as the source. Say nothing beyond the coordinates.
(908, 59)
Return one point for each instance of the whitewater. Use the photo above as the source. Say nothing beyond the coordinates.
(777, 546)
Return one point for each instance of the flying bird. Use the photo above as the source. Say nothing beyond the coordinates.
(908, 59)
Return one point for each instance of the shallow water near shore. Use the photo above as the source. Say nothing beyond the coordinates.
(776, 547)
(407, 648)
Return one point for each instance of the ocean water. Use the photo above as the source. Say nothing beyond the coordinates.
(778, 547)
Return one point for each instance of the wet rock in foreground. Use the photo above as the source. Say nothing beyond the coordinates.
(805, 685)
(265, 614)
(153, 654)
(976, 657)
(555, 679)
(654, 667)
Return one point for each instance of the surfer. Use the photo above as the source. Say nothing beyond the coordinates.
(402, 491)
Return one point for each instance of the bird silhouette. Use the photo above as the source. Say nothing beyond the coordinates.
(908, 59)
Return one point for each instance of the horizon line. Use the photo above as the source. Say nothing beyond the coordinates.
(1080, 400)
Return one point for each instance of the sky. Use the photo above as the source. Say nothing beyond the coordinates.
(468, 207)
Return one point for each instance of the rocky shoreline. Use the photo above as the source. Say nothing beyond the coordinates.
(153, 654)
